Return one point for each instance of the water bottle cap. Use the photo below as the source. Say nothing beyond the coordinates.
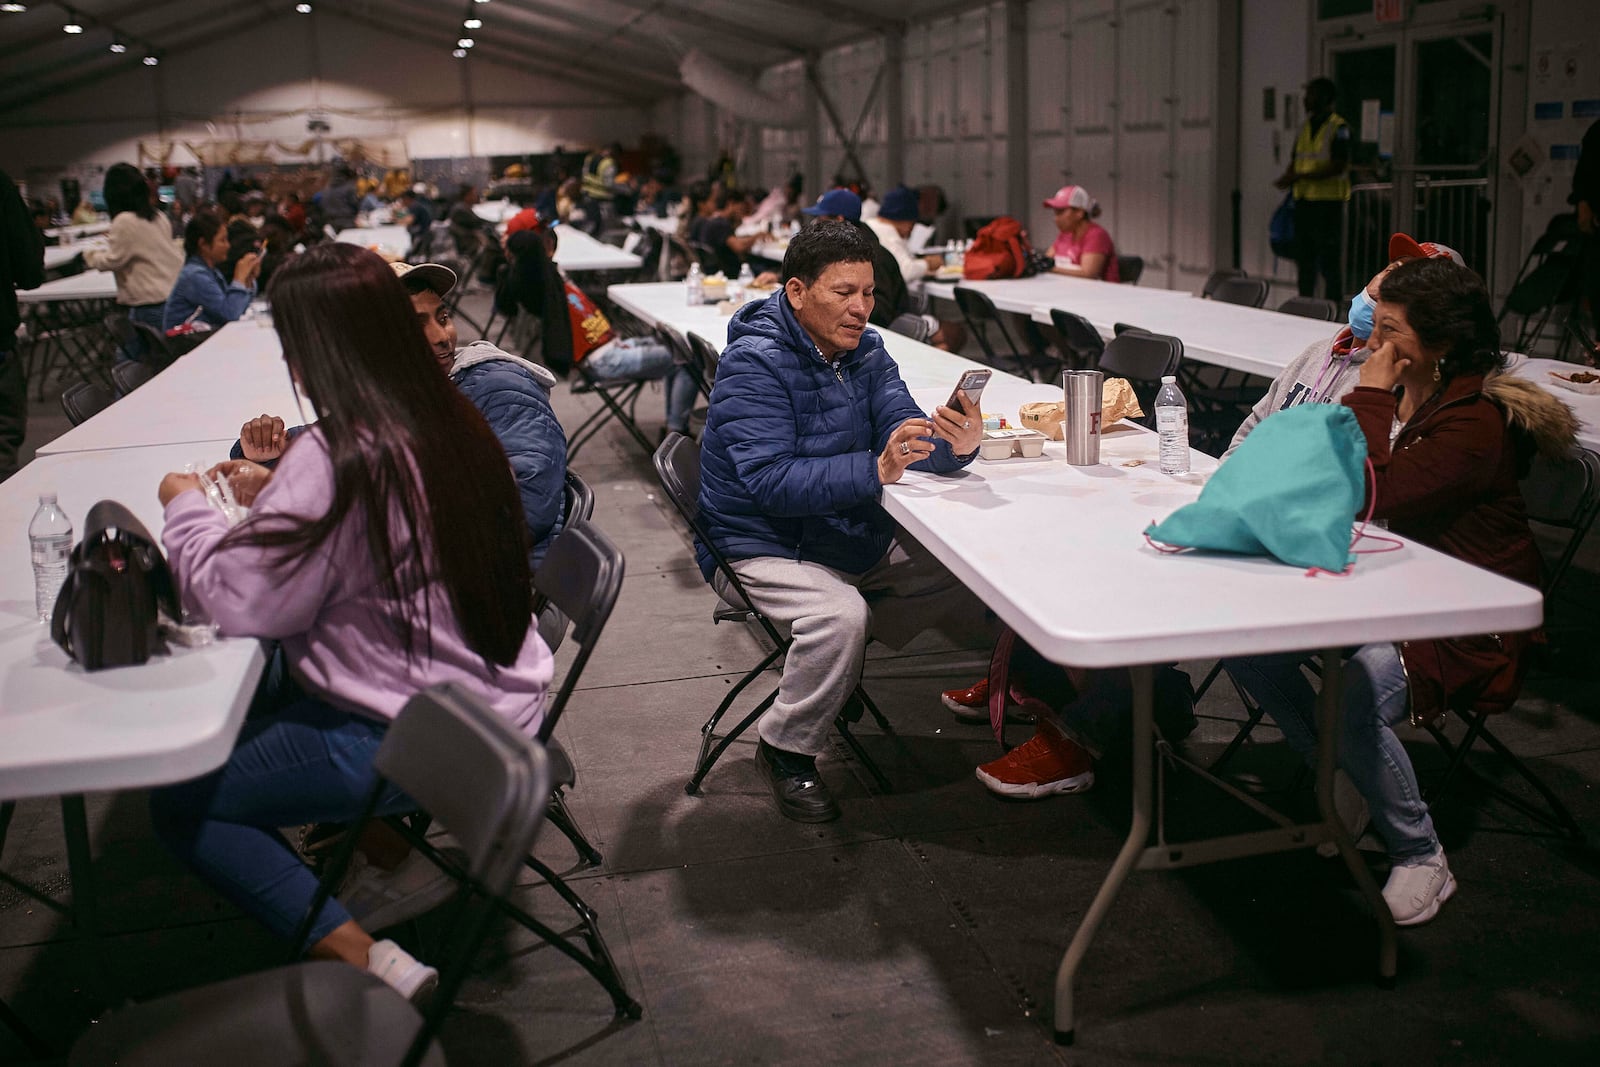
(47, 498)
(1169, 379)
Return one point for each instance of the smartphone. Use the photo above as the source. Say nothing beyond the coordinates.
(971, 383)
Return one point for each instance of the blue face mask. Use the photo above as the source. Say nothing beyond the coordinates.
(1361, 311)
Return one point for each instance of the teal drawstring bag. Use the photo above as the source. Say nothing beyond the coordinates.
(1292, 491)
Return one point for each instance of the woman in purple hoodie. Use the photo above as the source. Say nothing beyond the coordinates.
(376, 554)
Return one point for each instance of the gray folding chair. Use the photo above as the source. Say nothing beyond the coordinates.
(980, 313)
(129, 374)
(1248, 292)
(1130, 268)
(1083, 341)
(1216, 278)
(488, 785)
(83, 400)
(1143, 358)
(1310, 307)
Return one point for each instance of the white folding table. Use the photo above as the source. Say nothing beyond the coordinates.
(90, 285)
(577, 251)
(204, 396)
(1585, 405)
(395, 239)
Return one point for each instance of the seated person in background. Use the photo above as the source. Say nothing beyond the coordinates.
(511, 393)
(277, 245)
(42, 222)
(781, 205)
(84, 213)
(809, 420)
(1082, 248)
(892, 226)
(242, 238)
(339, 201)
(139, 250)
(467, 229)
(1448, 437)
(1324, 372)
(718, 231)
(418, 217)
(201, 287)
(385, 555)
(575, 330)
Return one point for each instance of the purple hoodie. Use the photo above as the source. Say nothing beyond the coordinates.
(329, 610)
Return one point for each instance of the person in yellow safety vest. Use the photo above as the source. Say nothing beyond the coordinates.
(1319, 175)
(600, 187)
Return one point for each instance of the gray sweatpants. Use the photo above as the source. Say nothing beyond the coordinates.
(830, 615)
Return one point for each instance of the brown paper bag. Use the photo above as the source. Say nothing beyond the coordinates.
(1117, 402)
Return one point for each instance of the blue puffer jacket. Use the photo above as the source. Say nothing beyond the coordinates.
(514, 396)
(789, 458)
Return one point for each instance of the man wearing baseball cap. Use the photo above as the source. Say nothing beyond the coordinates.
(892, 226)
(1082, 248)
(1325, 372)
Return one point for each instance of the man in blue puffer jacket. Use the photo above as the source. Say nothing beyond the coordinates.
(809, 420)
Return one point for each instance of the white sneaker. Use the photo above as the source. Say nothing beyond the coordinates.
(1351, 807)
(403, 973)
(1415, 891)
(378, 899)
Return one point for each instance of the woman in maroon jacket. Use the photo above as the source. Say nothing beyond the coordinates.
(1449, 437)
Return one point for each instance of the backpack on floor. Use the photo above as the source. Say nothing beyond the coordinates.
(1001, 250)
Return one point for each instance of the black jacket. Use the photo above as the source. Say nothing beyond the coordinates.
(21, 257)
(1586, 177)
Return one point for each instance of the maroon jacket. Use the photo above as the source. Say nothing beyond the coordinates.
(1450, 482)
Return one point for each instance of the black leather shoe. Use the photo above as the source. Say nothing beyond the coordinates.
(798, 789)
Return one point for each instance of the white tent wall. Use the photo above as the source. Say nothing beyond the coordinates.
(1275, 57)
(262, 85)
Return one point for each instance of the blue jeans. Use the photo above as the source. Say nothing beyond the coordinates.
(646, 357)
(299, 762)
(1373, 701)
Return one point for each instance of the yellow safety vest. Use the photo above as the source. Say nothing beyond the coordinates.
(1312, 150)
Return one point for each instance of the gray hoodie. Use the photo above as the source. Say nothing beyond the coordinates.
(1324, 372)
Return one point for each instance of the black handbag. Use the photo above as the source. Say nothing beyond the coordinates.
(117, 584)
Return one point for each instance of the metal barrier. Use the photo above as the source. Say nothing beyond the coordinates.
(1448, 211)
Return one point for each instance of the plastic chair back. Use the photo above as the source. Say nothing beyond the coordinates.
(1078, 335)
(1130, 268)
(1311, 307)
(1143, 358)
(84, 400)
(1216, 278)
(581, 575)
(707, 357)
(980, 313)
(1247, 292)
(1564, 494)
(579, 499)
(130, 374)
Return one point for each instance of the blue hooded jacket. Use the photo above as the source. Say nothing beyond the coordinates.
(789, 457)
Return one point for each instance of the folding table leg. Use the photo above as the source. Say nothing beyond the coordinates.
(85, 903)
(1138, 835)
(1328, 713)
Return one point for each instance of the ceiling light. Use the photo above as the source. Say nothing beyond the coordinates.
(460, 53)
(473, 24)
(73, 26)
(151, 61)
(465, 42)
(304, 9)
(480, 1)
(118, 47)
(13, 8)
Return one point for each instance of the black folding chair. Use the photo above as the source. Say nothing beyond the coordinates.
(708, 358)
(1130, 269)
(1310, 307)
(1563, 495)
(1143, 358)
(129, 374)
(684, 355)
(619, 399)
(1548, 279)
(482, 780)
(1247, 292)
(980, 314)
(84, 400)
(677, 464)
(1083, 342)
(1216, 278)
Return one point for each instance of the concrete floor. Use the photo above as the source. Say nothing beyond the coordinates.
(926, 925)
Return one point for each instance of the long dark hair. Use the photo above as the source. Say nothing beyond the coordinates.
(412, 459)
(1448, 309)
(533, 283)
(127, 190)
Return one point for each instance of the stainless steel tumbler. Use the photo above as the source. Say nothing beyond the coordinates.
(1081, 428)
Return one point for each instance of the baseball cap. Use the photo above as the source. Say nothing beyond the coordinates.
(526, 219)
(435, 276)
(840, 202)
(1071, 196)
(899, 205)
(1403, 247)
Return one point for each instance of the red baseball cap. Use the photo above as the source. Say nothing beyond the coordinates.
(1403, 247)
(526, 219)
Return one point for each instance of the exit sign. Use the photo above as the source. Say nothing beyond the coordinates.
(1388, 10)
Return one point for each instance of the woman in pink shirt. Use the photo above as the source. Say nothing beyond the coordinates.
(1083, 248)
(385, 553)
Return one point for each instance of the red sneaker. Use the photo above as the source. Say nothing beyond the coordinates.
(972, 704)
(1046, 764)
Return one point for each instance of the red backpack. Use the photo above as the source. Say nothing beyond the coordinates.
(1001, 250)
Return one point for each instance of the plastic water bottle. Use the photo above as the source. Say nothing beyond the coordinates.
(747, 278)
(50, 537)
(1172, 424)
(694, 286)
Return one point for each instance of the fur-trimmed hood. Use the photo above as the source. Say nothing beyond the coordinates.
(1549, 423)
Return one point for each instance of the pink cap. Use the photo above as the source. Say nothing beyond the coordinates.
(1071, 196)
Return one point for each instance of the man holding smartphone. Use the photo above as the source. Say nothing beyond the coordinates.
(809, 420)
